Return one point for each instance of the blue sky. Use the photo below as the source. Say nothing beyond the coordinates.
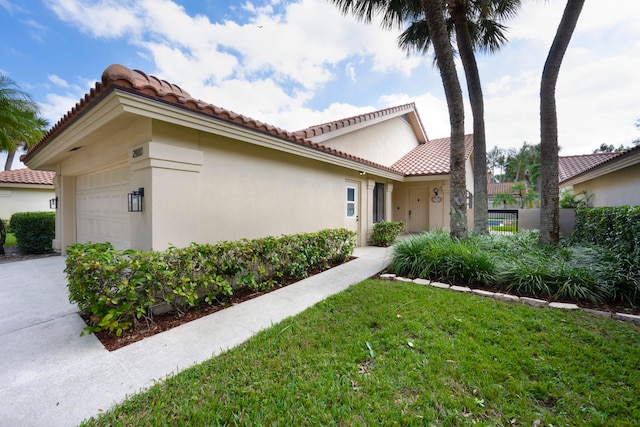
(298, 63)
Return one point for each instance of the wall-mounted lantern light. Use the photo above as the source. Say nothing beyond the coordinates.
(135, 200)
(53, 203)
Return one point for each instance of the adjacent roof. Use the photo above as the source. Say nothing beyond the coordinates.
(27, 176)
(494, 188)
(570, 166)
(315, 131)
(576, 169)
(431, 158)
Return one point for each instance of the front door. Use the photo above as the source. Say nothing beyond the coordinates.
(418, 209)
(352, 206)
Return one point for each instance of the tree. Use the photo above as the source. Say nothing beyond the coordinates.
(395, 13)
(604, 148)
(20, 124)
(549, 209)
(476, 28)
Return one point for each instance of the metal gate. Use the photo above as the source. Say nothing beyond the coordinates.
(503, 221)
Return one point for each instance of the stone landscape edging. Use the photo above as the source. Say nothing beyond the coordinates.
(515, 299)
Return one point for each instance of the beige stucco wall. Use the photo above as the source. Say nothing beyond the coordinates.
(24, 198)
(614, 189)
(385, 143)
(437, 214)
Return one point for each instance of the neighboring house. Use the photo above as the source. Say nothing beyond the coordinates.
(210, 174)
(612, 179)
(494, 188)
(25, 190)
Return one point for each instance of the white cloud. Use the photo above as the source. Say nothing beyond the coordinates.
(56, 80)
(105, 18)
(281, 56)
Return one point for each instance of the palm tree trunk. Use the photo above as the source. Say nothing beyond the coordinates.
(474, 87)
(434, 15)
(9, 162)
(549, 194)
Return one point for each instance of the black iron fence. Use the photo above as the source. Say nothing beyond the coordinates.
(503, 221)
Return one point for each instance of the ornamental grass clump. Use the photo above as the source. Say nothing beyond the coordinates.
(521, 265)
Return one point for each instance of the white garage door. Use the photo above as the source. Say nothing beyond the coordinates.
(101, 207)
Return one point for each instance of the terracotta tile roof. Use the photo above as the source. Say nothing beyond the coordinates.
(570, 166)
(324, 128)
(494, 188)
(431, 158)
(27, 176)
(119, 77)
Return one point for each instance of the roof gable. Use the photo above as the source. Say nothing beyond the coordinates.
(119, 77)
(324, 131)
(27, 176)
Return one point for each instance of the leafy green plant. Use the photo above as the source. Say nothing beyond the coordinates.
(118, 289)
(34, 231)
(386, 232)
(568, 200)
(518, 263)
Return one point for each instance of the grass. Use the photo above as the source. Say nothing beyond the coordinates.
(10, 241)
(519, 264)
(391, 353)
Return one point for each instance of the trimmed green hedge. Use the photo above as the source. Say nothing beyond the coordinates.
(614, 227)
(386, 232)
(34, 231)
(118, 289)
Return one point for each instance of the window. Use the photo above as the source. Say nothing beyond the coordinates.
(351, 201)
(378, 202)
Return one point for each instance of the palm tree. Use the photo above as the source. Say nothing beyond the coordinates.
(395, 13)
(20, 124)
(549, 195)
(476, 27)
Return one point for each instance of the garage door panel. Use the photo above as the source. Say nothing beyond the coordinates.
(102, 207)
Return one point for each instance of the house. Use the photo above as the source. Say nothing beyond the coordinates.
(612, 179)
(25, 190)
(192, 171)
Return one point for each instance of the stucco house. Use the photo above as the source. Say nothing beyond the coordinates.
(612, 179)
(141, 163)
(25, 190)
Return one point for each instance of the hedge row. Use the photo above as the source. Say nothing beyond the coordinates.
(119, 289)
(614, 227)
(34, 231)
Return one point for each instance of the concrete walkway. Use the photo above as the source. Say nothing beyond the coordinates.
(51, 376)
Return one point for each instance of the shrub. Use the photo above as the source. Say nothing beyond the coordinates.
(518, 263)
(118, 289)
(386, 232)
(615, 227)
(34, 231)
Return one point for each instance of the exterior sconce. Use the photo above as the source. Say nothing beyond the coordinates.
(469, 200)
(436, 192)
(53, 203)
(361, 172)
(135, 200)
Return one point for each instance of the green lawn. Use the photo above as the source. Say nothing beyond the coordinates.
(10, 241)
(391, 353)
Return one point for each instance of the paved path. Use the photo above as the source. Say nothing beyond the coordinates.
(50, 376)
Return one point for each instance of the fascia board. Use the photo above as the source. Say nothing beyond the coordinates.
(134, 104)
(72, 135)
(614, 165)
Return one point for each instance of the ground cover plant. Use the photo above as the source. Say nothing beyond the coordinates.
(392, 353)
(572, 272)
